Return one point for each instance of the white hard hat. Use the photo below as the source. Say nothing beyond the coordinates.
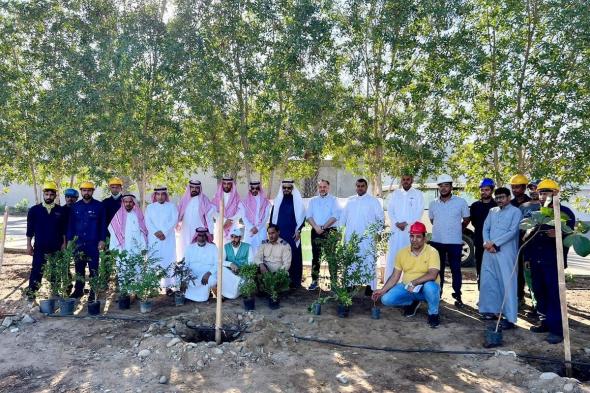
(444, 179)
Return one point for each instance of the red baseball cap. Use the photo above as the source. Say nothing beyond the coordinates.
(417, 227)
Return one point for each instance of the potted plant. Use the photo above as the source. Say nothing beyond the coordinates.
(183, 275)
(59, 266)
(48, 306)
(274, 284)
(147, 284)
(127, 273)
(100, 281)
(247, 286)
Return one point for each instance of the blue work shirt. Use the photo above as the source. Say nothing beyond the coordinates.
(447, 219)
(87, 222)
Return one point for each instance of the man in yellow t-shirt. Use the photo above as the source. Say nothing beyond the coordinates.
(417, 266)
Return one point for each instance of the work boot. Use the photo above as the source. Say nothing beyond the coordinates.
(433, 320)
(554, 338)
(458, 302)
(541, 328)
(313, 286)
(410, 311)
(76, 295)
(486, 316)
(506, 325)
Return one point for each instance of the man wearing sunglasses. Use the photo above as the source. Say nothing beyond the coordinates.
(256, 214)
(288, 213)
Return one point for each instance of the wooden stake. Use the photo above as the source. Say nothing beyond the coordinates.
(219, 235)
(562, 288)
(3, 240)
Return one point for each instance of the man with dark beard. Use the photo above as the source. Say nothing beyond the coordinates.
(288, 213)
(46, 223)
(478, 213)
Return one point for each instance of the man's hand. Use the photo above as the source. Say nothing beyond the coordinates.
(377, 294)
(254, 230)
(205, 279)
(179, 227)
(160, 235)
(234, 268)
(297, 236)
(262, 268)
(318, 230)
(401, 225)
(227, 224)
(410, 287)
(101, 245)
(551, 233)
(30, 249)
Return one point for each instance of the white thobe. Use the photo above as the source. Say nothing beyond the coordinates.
(201, 260)
(134, 241)
(260, 236)
(162, 217)
(192, 219)
(360, 212)
(220, 221)
(403, 206)
(230, 287)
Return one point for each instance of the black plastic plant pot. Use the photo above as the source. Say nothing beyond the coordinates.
(493, 338)
(124, 302)
(273, 305)
(66, 306)
(250, 303)
(47, 306)
(316, 309)
(375, 313)
(94, 307)
(145, 306)
(179, 299)
(343, 311)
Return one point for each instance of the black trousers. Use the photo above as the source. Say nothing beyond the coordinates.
(478, 260)
(316, 252)
(90, 258)
(37, 268)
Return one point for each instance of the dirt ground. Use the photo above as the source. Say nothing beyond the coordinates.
(154, 353)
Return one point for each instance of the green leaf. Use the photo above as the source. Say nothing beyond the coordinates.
(580, 243)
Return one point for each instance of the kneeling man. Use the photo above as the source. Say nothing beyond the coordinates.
(201, 257)
(419, 263)
(237, 254)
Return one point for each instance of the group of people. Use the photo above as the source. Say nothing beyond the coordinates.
(269, 235)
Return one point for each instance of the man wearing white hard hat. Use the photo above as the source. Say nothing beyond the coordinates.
(237, 254)
(449, 214)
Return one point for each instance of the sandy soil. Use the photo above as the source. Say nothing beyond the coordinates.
(101, 355)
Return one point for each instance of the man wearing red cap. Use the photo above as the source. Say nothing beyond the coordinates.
(420, 264)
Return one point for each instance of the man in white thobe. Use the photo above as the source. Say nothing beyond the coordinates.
(194, 211)
(161, 217)
(404, 208)
(127, 229)
(236, 254)
(201, 258)
(362, 211)
(256, 215)
(233, 209)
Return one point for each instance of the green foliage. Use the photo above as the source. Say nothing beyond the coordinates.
(147, 282)
(22, 206)
(183, 275)
(275, 283)
(57, 270)
(248, 274)
(105, 274)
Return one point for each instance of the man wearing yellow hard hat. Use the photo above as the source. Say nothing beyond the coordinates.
(518, 184)
(541, 253)
(112, 204)
(87, 223)
(46, 224)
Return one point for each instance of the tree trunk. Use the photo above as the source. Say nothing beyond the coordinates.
(34, 180)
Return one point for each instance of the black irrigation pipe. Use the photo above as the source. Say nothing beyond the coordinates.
(438, 351)
(214, 328)
(104, 317)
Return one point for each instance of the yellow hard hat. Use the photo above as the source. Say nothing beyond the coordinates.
(115, 181)
(548, 184)
(87, 184)
(518, 180)
(50, 185)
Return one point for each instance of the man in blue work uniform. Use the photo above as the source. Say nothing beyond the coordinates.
(71, 196)
(87, 224)
(112, 204)
(541, 253)
(46, 224)
(478, 212)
